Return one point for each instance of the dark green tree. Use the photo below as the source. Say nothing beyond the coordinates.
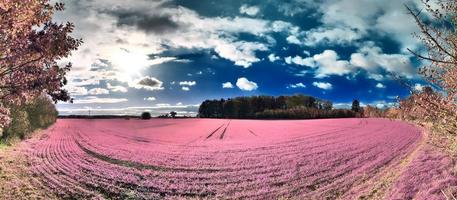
(326, 105)
(145, 115)
(173, 114)
(296, 107)
(230, 109)
(356, 106)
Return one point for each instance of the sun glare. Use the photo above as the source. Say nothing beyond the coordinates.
(129, 64)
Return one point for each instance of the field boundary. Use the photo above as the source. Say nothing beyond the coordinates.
(16, 181)
(382, 183)
(139, 165)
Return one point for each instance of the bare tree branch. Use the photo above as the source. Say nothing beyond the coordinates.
(430, 59)
(425, 31)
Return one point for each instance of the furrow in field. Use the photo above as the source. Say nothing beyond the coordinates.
(277, 150)
(246, 154)
(214, 131)
(293, 159)
(252, 132)
(225, 130)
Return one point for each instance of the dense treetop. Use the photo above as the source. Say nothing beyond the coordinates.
(30, 46)
(296, 106)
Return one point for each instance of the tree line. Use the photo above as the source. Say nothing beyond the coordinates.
(31, 76)
(38, 113)
(270, 107)
(29, 56)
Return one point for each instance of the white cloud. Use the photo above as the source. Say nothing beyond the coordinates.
(328, 64)
(98, 91)
(282, 26)
(373, 60)
(392, 97)
(343, 21)
(96, 100)
(297, 85)
(244, 84)
(309, 61)
(227, 85)
(418, 87)
(399, 25)
(84, 82)
(126, 48)
(116, 88)
(342, 105)
(369, 58)
(292, 39)
(249, 10)
(188, 83)
(348, 20)
(185, 88)
(288, 60)
(149, 99)
(379, 104)
(380, 85)
(76, 91)
(291, 8)
(333, 35)
(323, 85)
(147, 83)
(242, 53)
(272, 57)
(301, 73)
(307, 53)
(220, 33)
(155, 110)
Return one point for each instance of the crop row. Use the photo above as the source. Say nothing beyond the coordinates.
(160, 159)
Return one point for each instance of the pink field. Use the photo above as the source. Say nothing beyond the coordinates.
(209, 158)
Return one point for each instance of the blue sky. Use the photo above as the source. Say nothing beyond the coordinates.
(158, 56)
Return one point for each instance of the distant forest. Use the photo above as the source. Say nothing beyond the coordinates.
(269, 107)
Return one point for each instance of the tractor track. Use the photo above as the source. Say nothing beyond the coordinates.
(225, 129)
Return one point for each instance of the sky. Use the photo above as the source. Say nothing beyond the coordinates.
(163, 55)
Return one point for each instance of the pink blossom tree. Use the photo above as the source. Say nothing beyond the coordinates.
(30, 46)
(438, 34)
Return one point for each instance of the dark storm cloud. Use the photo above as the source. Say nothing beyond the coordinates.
(150, 82)
(150, 23)
(179, 53)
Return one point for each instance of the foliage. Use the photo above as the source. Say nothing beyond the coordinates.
(173, 114)
(30, 46)
(438, 34)
(164, 116)
(266, 107)
(19, 127)
(304, 113)
(145, 115)
(40, 113)
(371, 111)
(301, 100)
(393, 113)
(356, 106)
